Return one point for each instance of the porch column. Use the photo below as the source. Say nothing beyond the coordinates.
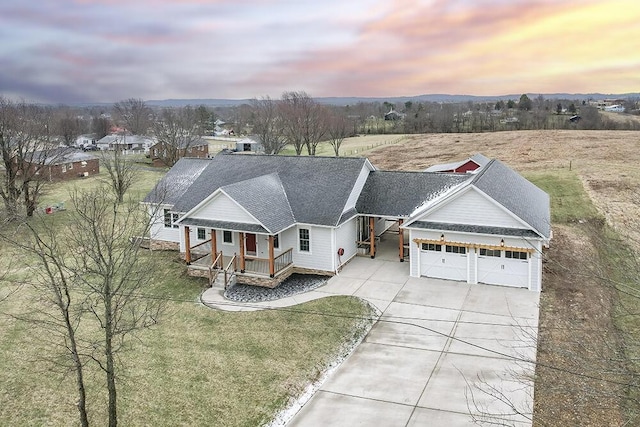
(242, 264)
(272, 265)
(401, 240)
(372, 237)
(214, 246)
(187, 245)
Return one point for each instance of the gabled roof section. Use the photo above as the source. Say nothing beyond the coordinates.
(478, 159)
(398, 194)
(175, 182)
(317, 188)
(265, 199)
(59, 155)
(515, 193)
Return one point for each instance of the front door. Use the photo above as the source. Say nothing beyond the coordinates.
(251, 244)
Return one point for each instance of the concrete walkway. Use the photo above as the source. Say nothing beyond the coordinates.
(436, 346)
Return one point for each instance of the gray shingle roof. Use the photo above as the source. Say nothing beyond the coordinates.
(468, 228)
(265, 199)
(173, 185)
(393, 193)
(61, 155)
(477, 158)
(515, 193)
(224, 225)
(317, 188)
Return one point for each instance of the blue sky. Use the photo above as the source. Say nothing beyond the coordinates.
(64, 51)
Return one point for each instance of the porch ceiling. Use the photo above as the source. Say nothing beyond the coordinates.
(225, 225)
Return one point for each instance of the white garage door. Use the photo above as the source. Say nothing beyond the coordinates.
(443, 261)
(508, 268)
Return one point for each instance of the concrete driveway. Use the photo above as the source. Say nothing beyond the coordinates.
(437, 345)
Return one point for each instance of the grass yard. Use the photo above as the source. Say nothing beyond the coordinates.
(196, 367)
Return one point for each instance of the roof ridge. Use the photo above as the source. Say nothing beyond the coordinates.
(483, 170)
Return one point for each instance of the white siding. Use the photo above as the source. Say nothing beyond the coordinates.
(472, 207)
(536, 269)
(346, 236)
(357, 188)
(222, 208)
(320, 257)
(158, 231)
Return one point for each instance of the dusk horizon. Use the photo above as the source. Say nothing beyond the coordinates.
(90, 51)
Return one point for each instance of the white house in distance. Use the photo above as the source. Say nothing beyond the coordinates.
(259, 218)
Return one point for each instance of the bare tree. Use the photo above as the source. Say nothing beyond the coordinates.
(338, 129)
(134, 115)
(68, 125)
(24, 146)
(122, 172)
(305, 121)
(268, 125)
(93, 277)
(100, 126)
(176, 130)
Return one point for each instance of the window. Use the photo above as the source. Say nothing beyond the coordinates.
(490, 252)
(276, 241)
(227, 236)
(431, 247)
(305, 242)
(167, 218)
(174, 219)
(70, 166)
(83, 164)
(64, 168)
(202, 234)
(456, 249)
(516, 255)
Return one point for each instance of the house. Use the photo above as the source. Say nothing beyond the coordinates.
(260, 218)
(471, 164)
(616, 108)
(394, 115)
(125, 142)
(163, 153)
(63, 163)
(251, 144)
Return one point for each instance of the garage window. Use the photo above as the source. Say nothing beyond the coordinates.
(431, 247)
(456, 249)
(490, 252)
(516, 255)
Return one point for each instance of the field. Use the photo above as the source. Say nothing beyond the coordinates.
(588, 348)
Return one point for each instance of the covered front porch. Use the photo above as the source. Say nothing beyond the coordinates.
(236, 258)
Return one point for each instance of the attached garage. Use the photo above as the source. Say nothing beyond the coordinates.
(444, 261)
(503, 267)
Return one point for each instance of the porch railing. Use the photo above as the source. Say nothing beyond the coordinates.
(261, 265)
(230, 270)
(214, 268)
(196, 255)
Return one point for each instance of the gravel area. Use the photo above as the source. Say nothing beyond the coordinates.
(294, 284)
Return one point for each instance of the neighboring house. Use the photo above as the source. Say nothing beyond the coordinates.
(125, 143)
(617, 108)
(394, 115)
(64, 163)
(85, 140)
(471, 164)
(251, 144)
(161, 152)
(270, 216)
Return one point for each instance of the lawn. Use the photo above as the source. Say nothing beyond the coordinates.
(198, 366)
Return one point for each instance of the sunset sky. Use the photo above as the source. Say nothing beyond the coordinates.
(65, 51)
